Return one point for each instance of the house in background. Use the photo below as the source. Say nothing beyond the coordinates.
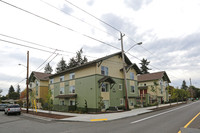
(96, 85)
(153, 87)
(38, 84)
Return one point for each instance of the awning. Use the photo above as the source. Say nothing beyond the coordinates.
(106, 79)
(142, 87)
(66, 96)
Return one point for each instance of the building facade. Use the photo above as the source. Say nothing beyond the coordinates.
(38, 85)
(95, 86)
(153, 87)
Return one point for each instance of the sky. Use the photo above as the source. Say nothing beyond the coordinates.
(50, 29)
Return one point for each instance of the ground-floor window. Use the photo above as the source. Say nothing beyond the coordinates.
(121, 101)
(62, 102)
(71, 102)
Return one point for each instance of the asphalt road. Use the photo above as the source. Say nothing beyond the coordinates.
(165, 121)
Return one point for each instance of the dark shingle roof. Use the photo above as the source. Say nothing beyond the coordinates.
(40, 76)
(99, 60)
(153, 76)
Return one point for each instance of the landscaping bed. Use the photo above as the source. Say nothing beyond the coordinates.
(48, 115)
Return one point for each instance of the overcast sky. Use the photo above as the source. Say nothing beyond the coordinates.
(169, 30)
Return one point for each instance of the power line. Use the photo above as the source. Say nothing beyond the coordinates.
(50, 61)
(77, 18)
(58, 24)
(93, 16)
(46, 60)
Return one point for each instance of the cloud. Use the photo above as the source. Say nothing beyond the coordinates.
(66, 9)
(136, 4)
(90, 2)
(122, 24)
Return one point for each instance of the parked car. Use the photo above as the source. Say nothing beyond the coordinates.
(2, 107)
(13, 109)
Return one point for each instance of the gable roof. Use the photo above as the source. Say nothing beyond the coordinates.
(99, 60)
(153, 76)
(39, 75)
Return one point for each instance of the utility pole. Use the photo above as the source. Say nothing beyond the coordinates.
(124, 70)
(27, 90)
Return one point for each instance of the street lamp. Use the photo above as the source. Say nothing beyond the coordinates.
(140, 43)
(27, 90)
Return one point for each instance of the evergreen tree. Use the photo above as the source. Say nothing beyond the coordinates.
(18, 89)
(184, 86)
(78, 60)
(12, 94)
(48, 69)
(11, 90)
(61, 66)
(144, 66)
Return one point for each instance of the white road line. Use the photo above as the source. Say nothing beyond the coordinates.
(161, 113)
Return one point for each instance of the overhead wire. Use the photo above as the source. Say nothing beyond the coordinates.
(81, 20)
(70, 29)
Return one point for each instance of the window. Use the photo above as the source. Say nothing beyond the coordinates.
(62, 102)
(37, 83)
(71, 102)
(36, 91)
(30, 85)
(132, 89)
(72, 89)
(72, 76)
(61, 90)
(104, 70)
(51, 81)
(61, 78)
(120, 86)
(104, 87)
(132, 75)
(121, 101)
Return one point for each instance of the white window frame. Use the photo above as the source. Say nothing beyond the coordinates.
(104, 87)
(104, 70)
(72, 76)
(132, 89)
(62, 78)
(72, 89)
(73, 102)
(132, 76)
(62, 89)
(51, 81)
(121, 101)
(120, 88)
(62, 102)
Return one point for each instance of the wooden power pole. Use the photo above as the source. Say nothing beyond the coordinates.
(27, 90)
(124, 70)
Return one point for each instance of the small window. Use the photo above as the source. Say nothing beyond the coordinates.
(51, 81)
(37, 83)
(61, 90)
(121, 101)
(145, 84)
(30, 84)
(71, 102)
(61, 78)
(62, 102)
(132, 75)
(104, 87)
(72, 76)
(72, 89)
(120, 86)
(104, 70)
(132, 89)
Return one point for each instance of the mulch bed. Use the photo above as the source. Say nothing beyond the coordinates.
(48, 115)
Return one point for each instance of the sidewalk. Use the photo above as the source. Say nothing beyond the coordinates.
(104, 116)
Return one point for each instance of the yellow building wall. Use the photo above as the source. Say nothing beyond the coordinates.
(114, 65)
(105, 95)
